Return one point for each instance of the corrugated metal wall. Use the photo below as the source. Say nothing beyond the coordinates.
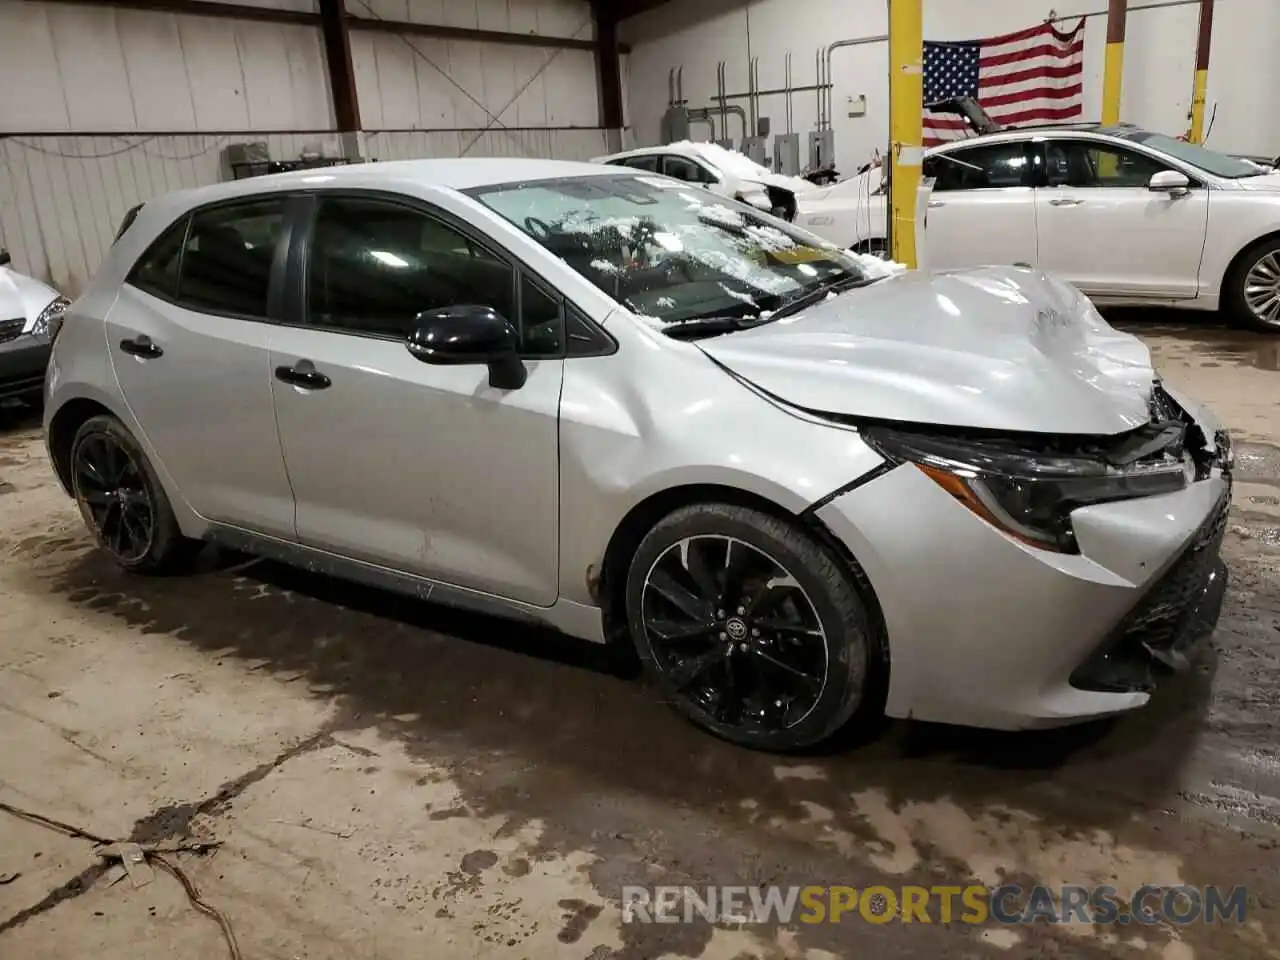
(86, 85)
(62, 198)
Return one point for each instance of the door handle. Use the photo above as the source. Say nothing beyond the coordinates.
(1065, 202)
(937, 203)
(303, 374)
(141, 346)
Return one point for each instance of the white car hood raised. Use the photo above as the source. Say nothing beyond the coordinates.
(22, 296)
(997, 348)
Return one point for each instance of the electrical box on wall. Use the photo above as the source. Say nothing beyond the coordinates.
(756, 148)
(822, 149)
(786, 154)
(675, 125)
(858, 106)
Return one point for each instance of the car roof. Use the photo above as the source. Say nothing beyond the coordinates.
(1031, 131)
(680, 149)
(450, 173)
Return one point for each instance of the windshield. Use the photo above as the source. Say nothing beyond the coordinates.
(669, 252)
(1211, 161)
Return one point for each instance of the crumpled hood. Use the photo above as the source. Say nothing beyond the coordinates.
(997, 348)
(797, 185)
(23, 296)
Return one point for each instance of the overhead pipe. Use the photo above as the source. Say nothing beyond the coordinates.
(786, 83)
(1200, 84)
(1113, 73)
(825, 78)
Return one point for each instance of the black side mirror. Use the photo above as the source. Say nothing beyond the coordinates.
(5, 259)
(470, 334)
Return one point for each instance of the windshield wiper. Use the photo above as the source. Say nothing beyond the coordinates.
(697, 327)
(819, 293)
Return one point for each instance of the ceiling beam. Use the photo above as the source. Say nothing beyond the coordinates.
(239, 11)
(608, 67)
(623, 9)
(342, 74)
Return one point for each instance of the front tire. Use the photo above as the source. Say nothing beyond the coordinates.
(1252, 294)
(749, 627)
(122, 501)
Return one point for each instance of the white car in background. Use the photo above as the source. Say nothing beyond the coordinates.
(29, 314)
(1128, 216)
(725, 172)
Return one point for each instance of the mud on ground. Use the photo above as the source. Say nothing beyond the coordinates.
(394, 780)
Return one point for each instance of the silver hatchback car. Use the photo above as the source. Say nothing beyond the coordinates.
(597, 399)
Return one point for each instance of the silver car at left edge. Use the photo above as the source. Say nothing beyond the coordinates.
(30, 312)
(808, 489)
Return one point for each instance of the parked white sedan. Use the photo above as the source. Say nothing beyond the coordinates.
(1128, 216)
(724, 172)
(30, 312)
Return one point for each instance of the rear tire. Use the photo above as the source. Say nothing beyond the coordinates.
(749, 627)
(1251, 291)
(122, 501)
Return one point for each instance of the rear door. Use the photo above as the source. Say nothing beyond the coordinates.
(1103, 229)
(189, 336)
(982, 210)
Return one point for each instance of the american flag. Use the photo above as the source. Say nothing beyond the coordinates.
(1032, 76)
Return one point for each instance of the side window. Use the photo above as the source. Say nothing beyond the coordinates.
(980, 168)
(541, 321)
(682, 168)
(1082, 163)
(156, 271)
(648, 162)
(583, 338)
(226, 264)
(375, 265)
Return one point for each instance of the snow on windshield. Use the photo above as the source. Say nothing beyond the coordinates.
(876, 267)
(673, 255)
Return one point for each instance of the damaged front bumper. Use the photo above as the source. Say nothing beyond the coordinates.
(988, 631)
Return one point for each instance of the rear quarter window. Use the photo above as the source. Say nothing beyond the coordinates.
(156, 271)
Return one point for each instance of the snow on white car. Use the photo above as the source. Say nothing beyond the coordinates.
(1129, 216)
(29, 314)
(724, 172)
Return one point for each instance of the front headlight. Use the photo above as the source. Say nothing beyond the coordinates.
(1028, 494)
(49, 321)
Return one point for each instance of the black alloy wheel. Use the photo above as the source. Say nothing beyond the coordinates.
(116, 497)
(753, 633)
(122, 500)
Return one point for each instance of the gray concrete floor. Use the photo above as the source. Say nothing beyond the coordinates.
(391, 780)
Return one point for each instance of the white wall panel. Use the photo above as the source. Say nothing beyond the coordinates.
(86, 68)
(410, 82)
(551, 18)
(1159, 61)
(62, 198)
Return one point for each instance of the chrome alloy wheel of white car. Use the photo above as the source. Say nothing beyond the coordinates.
(1261, 291)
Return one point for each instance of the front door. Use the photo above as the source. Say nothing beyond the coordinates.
(1103, 229)
(421, 468)
(191, 354)
(982, 210)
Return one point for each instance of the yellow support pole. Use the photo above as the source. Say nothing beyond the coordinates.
(906, 127)
(1113, 75)
(1201, 84)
